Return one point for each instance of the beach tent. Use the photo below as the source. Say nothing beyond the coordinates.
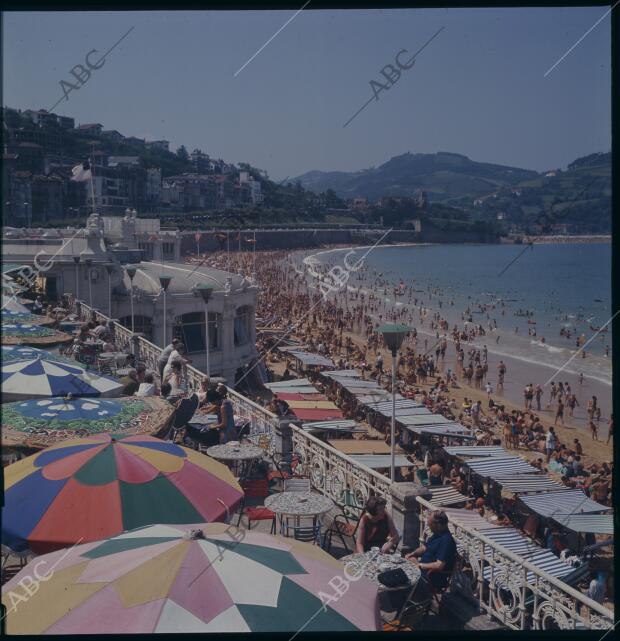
(493, 465)
(445, 495)
(294, 382)
(322, 404)
(343, 373)
(367, 397)
(199, 578)
(566, 501)
(342, 426)
(88, 489)
(44, 422)
(296, 396)
(38, 377)
(526, 483)
(426, 419)
(317, 414)
(312, 360)
(511, 539)
(381, 461)
(592, 523)
(476, 450)
(445, 429)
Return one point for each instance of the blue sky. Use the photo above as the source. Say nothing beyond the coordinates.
(477, 89)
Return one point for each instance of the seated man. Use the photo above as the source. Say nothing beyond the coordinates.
(437, 557)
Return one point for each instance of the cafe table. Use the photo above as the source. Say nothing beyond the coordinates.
(373, 563)
(239, 456)
(298, 506)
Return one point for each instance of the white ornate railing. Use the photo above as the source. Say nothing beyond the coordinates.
(337, 475)
(517, 593)
(262, 422)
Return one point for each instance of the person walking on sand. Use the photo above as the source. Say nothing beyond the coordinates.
(553, 392)
(610, 428)
(528, 394)
(489, 389)
(559, 413)
(538, 395)
(572, 402)
(593, 431)
(550, 443)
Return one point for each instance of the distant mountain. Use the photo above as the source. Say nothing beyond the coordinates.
(444, 176)
(577, 200)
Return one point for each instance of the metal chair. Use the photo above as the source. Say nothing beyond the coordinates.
(183, 413)
(297, 485)
(412, 615)
(309, 533)
(254, 489)
(342, 526)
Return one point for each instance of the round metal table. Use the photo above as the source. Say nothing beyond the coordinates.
(372, 565)
(298, 505)
(235, 452)
(239, 456)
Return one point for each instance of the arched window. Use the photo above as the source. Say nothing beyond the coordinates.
(190, 328)
(243, 324)
(143, 324)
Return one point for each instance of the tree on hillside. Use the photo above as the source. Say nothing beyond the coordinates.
(182, 153)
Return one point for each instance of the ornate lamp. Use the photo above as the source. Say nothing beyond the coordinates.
(393, 335)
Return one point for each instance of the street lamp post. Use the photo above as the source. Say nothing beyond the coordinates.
(393, 335)
(131, 272)
(110, 270)
(89, 262)
(205, 291)
(164, 281)
(76, 260)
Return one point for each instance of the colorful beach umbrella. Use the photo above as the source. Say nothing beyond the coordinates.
(29, 334)
(25, 318)
(89, 489)
(36, 424)
(189, 578)
(37, 378)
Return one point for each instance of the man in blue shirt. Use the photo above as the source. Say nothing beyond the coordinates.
(437, 557)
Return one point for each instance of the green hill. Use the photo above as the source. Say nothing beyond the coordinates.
(443, 176)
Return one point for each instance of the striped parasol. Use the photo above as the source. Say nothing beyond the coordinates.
(23, 352)
(37, 424)
(189, 578)
(89, 489)
(40, 378)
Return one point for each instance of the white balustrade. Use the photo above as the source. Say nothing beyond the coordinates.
(337, 475)
(518, 594)
(262, 422)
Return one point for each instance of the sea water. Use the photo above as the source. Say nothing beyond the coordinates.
(545, 287)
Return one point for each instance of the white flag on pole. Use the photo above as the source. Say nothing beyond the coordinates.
(81, 173)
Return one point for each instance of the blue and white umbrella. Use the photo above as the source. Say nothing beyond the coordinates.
(23, 352)
(39, 378)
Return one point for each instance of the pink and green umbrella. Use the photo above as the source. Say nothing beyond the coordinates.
(92, 488)
(188, 578)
